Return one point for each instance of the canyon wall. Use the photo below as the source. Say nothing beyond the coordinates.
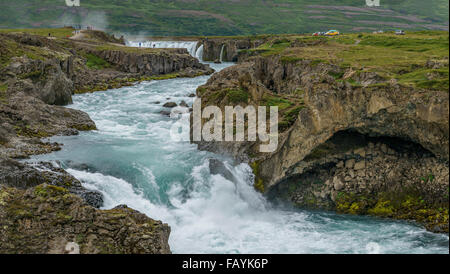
(359, 142)
(230, 48)
(43, 209)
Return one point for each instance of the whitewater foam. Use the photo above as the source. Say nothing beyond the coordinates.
(191, 46)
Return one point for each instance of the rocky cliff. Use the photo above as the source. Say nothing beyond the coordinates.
(43, 209)
(229, 48)
(361, 130)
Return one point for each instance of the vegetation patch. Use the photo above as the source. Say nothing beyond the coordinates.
(236, 96)
(272, 101)
(52, 32)
(402, 206)
(433, 79)
(3, 89)
(49, 190)
(259, 183)
(95, 62)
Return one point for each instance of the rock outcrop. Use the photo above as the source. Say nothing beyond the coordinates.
(43, 209)
(48, 219)
(153, 63)
(393, 161)
(229, 48)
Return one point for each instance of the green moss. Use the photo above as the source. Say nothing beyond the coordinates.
(201, 91)
(290, 59)
(236, 96)
(3, 90)
(49, 190)
(259, 183)
(398, 205)
(63, 217)
(28, 131)
(163, 76)
(3, 87)
(336, 74)
(84, 127)
(289, 118)
(34, 75)
(95, 62)
(272, 100)
(80, 239)
(3, 195)
(382, 209)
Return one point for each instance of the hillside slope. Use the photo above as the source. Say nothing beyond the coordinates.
(224, 17)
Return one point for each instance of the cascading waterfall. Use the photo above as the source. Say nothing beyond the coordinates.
(191, 46)
(199, 53)
(131, 160)
(221, 53)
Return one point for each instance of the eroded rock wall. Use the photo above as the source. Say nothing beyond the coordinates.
(43, 209)
(362, 102)
(212, 48)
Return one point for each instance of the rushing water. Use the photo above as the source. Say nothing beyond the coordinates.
(132, 161)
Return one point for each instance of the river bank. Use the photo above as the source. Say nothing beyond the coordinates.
(41, 203)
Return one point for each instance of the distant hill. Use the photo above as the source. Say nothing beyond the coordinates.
(227, 17)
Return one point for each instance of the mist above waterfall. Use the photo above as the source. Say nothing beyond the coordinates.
(98, 20)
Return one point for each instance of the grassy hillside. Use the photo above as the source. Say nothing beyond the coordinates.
(418, 59)
(225, 17)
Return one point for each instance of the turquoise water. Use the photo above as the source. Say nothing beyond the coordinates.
(132, 160)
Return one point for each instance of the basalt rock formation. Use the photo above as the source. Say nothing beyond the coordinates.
(48, 219)
(351, 139)
(229, 48)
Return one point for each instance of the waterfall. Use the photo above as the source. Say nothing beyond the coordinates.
(199, 53)
(221, 53)
(189, 45)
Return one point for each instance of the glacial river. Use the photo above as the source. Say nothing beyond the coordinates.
(132, 160)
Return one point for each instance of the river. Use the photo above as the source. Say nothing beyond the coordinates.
(131, 160)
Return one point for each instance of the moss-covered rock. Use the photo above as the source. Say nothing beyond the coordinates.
(47, 219)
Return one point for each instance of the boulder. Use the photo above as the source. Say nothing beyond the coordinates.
(170, 105)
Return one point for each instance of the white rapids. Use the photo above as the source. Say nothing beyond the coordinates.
(191, 46)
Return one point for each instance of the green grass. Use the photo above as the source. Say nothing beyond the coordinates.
(281, 103)
(54, 32)
(3, 89)
(400, 57)
(217, 17)
(95, 62)
(10, 48)
(422, 78)
(237, 96)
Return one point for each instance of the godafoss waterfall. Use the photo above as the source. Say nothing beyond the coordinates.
(191, 46)
(132, 160)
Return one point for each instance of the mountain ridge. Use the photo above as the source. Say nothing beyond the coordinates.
(223, 17)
